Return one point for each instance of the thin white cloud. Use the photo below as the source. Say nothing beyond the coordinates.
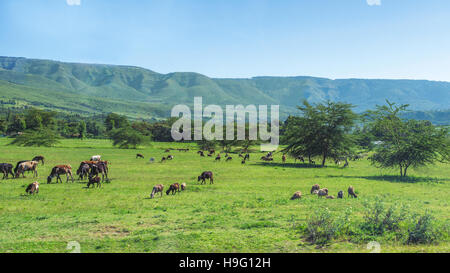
(73, 2)
(374, 2)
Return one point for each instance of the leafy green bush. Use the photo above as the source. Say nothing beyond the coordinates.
(423, 230)
(321, 228)
(378, 220)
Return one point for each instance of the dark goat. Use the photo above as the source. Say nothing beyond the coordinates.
(94, 180)
(139, 156)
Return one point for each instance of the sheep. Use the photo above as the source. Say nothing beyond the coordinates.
(139, 156)
(33, 188)
(351, 192)
(316, 187)
(229, 158)
(183, 186)
(340, 195)
(156, 189)
(297, 195)
(170, 157)
(322, 192)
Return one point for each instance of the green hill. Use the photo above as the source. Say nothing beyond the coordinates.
(142, 93)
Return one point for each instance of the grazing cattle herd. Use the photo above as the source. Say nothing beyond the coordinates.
(95, 167)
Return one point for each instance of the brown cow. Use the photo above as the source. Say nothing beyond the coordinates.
(58, 170)
(27, 166)
(156, 189)
(174, 188)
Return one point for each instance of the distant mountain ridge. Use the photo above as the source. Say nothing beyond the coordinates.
(142, 93)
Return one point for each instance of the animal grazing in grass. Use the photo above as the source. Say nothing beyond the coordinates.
(212, 151)
(300, 158)
(316, 187)
(58, 170)
(139, 156)
(283, 158)
(340, 195)
(229, 158)
(183, 186)
(100, 167)
(152, 160)
(96, 158)
(167, 151)
(6, 169)
(39, 158)
(163, 159)
(265, 158)
(157, 188)
(206, 175)
(83, 171)
(27, 166)
(33, 188)
(218, 157)
(210, 155)
(201, 153)
(351, 192)
(94, 180)
(330, 197)
(170, 157)
(297, 195)
(322, 192)
(174, 188)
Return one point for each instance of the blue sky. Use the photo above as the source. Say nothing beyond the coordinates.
(238, 38)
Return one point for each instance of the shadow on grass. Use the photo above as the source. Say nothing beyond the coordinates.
(292, 165)
(396, 179)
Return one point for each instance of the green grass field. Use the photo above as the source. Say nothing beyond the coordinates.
(246, 210)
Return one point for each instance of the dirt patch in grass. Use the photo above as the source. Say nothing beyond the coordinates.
(109, 231)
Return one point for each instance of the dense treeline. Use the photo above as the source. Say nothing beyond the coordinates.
(329, 131)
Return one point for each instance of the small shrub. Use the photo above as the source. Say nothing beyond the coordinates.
(378, 220)
(321, 228)
(423, 230)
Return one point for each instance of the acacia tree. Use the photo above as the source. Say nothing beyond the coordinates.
(406, 143)
(127, 137)
(41, 137)
(322, 130)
